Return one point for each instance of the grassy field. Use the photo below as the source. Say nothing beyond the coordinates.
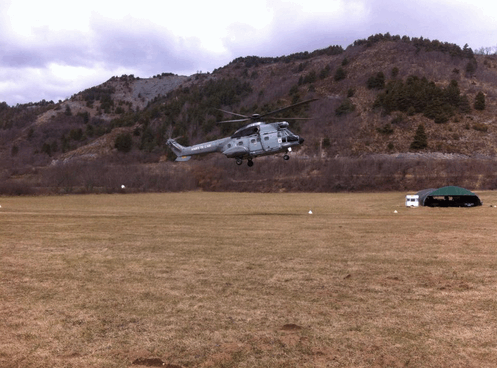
(246, 280)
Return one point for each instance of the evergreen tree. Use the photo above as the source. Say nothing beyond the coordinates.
(324, 72)
(377, 82)
(46, 149)
(420, 139)
(464, 104)
(452, 94)
(340, 74)
(480, 101)
(418, 95)
(471, 67)
(395, 72)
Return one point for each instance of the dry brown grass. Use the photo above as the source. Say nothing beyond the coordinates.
(246, 280)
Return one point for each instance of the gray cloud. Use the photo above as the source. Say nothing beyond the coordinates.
(131, 43)
(136, 46)
(293, 31)
(111, 47)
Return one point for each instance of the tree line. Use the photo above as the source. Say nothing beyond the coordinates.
(269, 175)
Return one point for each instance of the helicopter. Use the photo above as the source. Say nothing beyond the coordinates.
(250, 141)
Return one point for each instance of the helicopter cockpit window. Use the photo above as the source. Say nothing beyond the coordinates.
(252, 140)
(240, 143)
(266, 138)
(246, 132)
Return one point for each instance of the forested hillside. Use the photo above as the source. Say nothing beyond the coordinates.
(393, 113)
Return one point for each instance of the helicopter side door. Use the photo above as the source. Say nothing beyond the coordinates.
(270, 141)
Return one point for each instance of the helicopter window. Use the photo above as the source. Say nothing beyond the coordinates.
(240, 143)
(252, 140)
(245, 132)
(266, 138)
(229, 145)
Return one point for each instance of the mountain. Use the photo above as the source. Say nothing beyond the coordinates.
(394, 113)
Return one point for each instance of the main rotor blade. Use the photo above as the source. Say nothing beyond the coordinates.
(289, 107)
(269, 118)
(234, 121)
(256, 117)
(234, 113)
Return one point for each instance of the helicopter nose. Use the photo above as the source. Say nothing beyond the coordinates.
(301, 140)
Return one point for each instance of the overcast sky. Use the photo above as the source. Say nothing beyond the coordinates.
(52, 49)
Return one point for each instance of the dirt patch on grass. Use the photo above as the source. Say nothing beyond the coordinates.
(153, 362)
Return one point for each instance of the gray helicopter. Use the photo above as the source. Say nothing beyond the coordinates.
(250, 141)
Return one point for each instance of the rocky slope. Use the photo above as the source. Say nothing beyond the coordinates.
(348, 122)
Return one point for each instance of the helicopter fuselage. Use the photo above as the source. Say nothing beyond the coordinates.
(253, 140)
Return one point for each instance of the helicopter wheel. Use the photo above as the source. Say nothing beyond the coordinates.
(250, 163)
(239, 161)
(286, 157)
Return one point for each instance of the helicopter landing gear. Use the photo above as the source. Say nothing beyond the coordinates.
(239, 161)
(286, 157)
(250, 163)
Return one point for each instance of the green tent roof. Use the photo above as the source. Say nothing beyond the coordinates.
(452, 191)
(464, 197)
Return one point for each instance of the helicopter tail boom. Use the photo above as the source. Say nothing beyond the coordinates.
(178, 150)
(185, 153)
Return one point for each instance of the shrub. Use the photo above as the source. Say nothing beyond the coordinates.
(85, 116)
(124, 142)
(119, 110)
(399, 119)
(346, 107)
(76, 134)
(310, 77)
(90, 130)
(385, 129)
(148, 141)
(294, 90)
(480, 127)
(54, 147)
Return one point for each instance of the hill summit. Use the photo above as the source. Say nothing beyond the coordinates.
(394, 113)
